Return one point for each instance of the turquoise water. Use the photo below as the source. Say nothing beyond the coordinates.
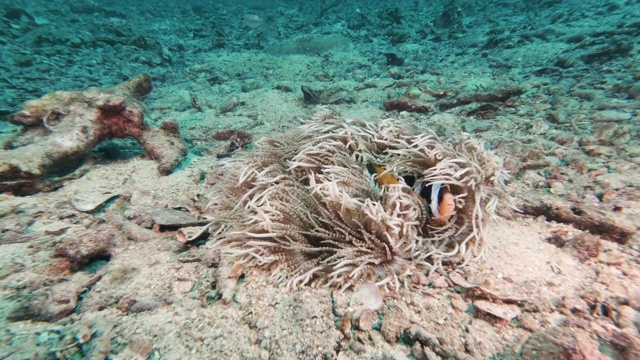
(201, 55)
(59, 45)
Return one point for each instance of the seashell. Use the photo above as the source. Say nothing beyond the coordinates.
(502, 311)
(92, 201)
(191, 233)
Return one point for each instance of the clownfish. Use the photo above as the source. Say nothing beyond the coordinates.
(381, 177)
(442, 203)
(439, 200)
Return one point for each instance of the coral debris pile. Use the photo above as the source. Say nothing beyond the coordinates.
(344, 202)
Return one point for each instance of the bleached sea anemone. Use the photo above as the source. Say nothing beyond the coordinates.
(342, 202)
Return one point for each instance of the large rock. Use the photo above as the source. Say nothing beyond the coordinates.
(63, 126)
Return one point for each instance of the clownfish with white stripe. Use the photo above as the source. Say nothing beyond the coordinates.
(442, 203)
(439, 201)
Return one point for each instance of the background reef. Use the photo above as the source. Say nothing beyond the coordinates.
(95, 270)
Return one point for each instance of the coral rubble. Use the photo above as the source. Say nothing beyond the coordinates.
(61, 127)
(308, 207)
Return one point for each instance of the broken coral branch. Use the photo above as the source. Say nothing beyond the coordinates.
(403, 104)
(582, 217)
(63, 126)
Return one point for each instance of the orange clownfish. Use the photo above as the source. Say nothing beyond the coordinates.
(381, 177)
(442, 203)
(439, 200)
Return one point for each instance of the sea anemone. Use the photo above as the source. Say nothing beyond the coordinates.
(343, 202)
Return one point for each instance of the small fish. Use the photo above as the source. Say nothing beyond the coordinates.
(252, 20)
(381, 177)
(438, 199)
(442, 204)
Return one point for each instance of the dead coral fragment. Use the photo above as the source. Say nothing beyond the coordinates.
(406, 105)
(236, 139)
(61, 127)
(306, 206)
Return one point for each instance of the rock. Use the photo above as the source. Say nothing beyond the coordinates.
(561, 343)
(482, 340)
(529, 323)
(627, 342)
(183, 287)
(502, 311)
(142, 305)
(393, 325)
(627, 317)
(599, 151)
(91, 201)
(419, 278)
(620, 292)
(310, 44)
(366, 320)
(138, 349)
(605, 133)
(191, 233)
(458, 303)
(176, 218)
(574, 305)
(48, 304)
(367, 297)
(358, 348)
(430, 354)
(440, 282)
(557, 188)
(420, 352)
(326, 96)
(612, 181)
(82, 247)
(576, 322)
(9, 269)
(417, 352)
(49, 227)
(60, 301)
(60, 128)
(634, 296)
(612, 258)
(458, 280)
(191, 256)
(424, 337)
(611, 115)
(83, 332)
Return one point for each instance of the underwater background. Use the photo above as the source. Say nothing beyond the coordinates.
(117, 119)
